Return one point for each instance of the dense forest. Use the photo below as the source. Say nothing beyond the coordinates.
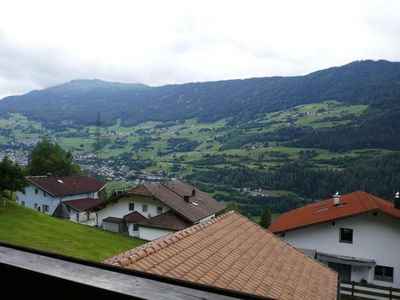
(379, 176)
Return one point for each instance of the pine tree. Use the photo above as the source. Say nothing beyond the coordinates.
(265, 220)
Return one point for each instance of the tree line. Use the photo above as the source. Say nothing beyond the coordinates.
(379, 176)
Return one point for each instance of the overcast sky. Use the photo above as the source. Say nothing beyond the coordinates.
(43, 43)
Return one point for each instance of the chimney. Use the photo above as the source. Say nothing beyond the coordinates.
(397, 201)
(193, 192)
(336, 199)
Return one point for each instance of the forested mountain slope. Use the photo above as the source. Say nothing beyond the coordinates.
(376, 83)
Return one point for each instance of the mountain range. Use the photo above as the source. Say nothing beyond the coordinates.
(375, 83)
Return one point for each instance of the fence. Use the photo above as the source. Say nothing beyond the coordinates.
(369, 291)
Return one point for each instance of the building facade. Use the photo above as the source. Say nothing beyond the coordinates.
(165, 207)
(358, 235)
(47, 194)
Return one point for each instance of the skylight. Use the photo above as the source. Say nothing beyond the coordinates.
(60, 181)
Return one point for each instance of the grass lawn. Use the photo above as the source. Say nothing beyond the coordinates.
(27, 227)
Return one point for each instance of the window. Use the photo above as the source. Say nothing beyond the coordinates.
(135, 227)
(77, 217)
(144, 207)
(346, 235)
(159, 209)
(131, 206)
(35, 205)
(383, 273)
(44, 194)
(45, 208)
(36, 191)
(23, 203)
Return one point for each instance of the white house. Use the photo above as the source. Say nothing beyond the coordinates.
(356, 234)
(164, 207)
(67, 197)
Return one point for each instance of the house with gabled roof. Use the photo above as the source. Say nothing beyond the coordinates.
(233, 253)
(166, 206)
(66, 197)
(357, 234)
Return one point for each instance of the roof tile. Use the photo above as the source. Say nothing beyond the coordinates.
(234, 253)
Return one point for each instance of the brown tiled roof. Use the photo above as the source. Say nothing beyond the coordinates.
(134, 217)
(167, 220)
(66, 185)
(82, 204)
(355, 203)
(234, 253)
(172, 194)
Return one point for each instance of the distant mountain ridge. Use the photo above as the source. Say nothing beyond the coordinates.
(376, 83)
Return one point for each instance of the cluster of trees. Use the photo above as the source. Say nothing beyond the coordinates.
(45, 158)
(181, 144)
(12, 177)
(374, 129)
(254, 205)
(378, 175)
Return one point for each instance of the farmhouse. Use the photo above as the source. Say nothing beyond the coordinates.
(356, 234)
(67, 197)
(160, 208)
(231, 252)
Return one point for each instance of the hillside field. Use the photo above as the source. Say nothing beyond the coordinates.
(27, 227)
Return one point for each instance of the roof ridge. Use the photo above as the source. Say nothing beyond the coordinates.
(162, 242)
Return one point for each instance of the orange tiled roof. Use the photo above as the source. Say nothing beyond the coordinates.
(358, 202)
(234, 253)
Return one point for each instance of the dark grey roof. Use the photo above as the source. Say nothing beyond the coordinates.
(113, 220)
(61, 211)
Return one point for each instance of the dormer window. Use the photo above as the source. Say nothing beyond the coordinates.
(346, 235)
(159, 209)
(36, 191)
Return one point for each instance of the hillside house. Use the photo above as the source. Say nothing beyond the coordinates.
(66, 197)
(233, 253)
(356, 234)
(156, 209)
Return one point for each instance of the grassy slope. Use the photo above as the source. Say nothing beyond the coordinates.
(27, 227)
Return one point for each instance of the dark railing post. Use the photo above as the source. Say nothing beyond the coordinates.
(390, 293)
(352, 288)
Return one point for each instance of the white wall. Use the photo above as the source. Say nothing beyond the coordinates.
(374, 237)
(206, 218)
(131, 232)
(150, 233)
(30, 198)
(83, 219)
(114, 227)
(121, 208)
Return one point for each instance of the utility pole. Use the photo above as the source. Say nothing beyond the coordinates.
(97, 146)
